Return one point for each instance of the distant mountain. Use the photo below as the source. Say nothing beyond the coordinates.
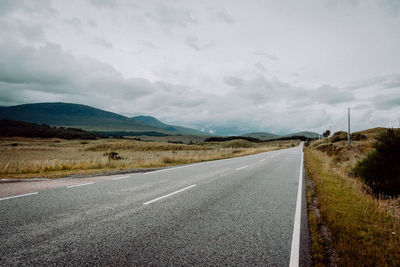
(74, 115)
(305, 134)
(90, 119)
(149, 120)
(261, 135)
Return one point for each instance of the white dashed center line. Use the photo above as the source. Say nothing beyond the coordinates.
(168, 195)
(24, 195)
(71, 186)
(120, 178)
(241, 168)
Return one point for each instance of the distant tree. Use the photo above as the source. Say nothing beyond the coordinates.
(326, 133)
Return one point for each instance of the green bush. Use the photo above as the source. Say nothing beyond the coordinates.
(339, 136)
(357, 137)
(380, 169)
(112, 155)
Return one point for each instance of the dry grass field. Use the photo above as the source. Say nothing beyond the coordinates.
(349, 226)
(36, 157)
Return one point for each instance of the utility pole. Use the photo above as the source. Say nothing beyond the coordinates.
(348, 124)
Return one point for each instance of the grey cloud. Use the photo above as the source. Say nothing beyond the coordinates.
(267, 55)
(119, 88)
(43, 7)
(261, 90)
(391, 6)
(260, 66)
(13, 94)
(46, 65)
(174, 95)
(49, 69)
(169, 17)
(331, 95)
(32, 32)
(7, 6)
(224, 16)
(91, 23)
(147, 44)
(381, 82)
(227, 88)
(392, 82)
(103, 43)
(19, 30)
(386, 102)
(197, 45)
(104, 3)
(74, 23)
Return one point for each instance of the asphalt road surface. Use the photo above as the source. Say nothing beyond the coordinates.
(237, 211)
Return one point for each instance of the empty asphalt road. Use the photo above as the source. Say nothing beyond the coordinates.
(238, 211)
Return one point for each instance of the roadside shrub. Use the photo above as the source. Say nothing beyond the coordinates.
(357, 137)
(380, 169)
(342, 136)
(167, 159)
(339, 136)
(112, 155)
(330, 149)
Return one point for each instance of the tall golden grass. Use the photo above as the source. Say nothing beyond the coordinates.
(56, 158)
(365, 230)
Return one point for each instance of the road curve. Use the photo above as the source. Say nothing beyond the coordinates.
(237, 211)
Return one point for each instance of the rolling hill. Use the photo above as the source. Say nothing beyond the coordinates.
(269, 136)
(74, 115)
(261, 135)
(89, 119)
(105, 122)
(305, 134)
(149, 120)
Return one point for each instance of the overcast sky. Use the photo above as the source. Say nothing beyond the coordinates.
(228, 67)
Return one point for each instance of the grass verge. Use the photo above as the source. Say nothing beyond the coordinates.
(364, 231)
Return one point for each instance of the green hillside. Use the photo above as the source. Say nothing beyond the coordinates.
(149, 120)
(261, 135)
(305, 134)
(91, 119)
(76, 116)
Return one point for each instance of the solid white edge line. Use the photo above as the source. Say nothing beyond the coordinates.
(168, 195)
(24, 195)
(295, 250)
(76, 185)
(243, 167)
